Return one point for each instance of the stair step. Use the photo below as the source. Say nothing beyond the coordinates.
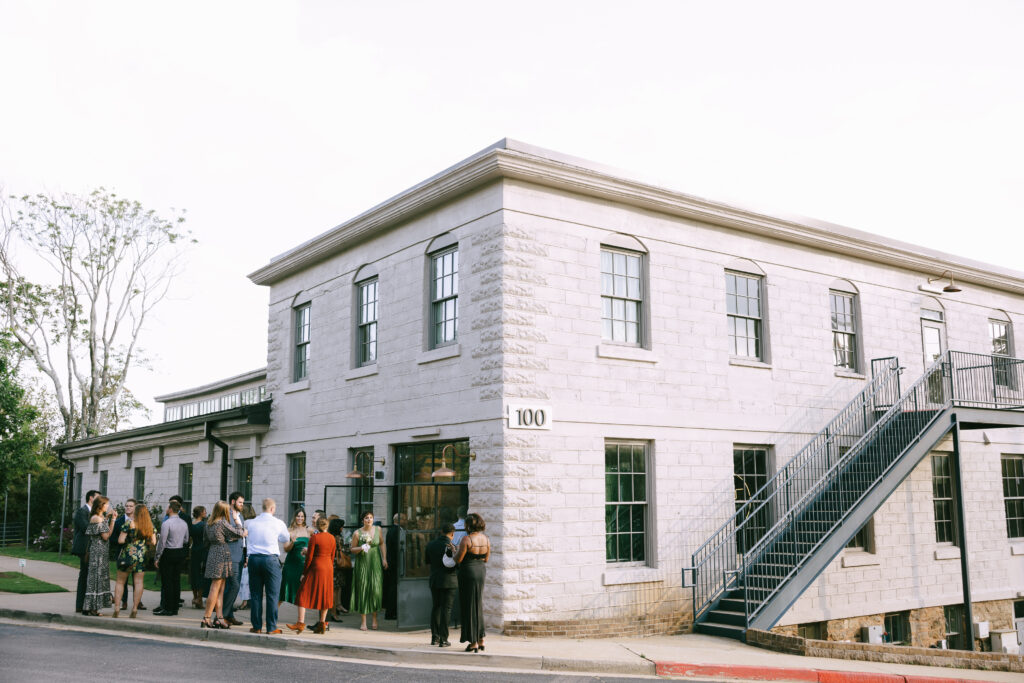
(720, 616)
(730, 605)
(725, 630)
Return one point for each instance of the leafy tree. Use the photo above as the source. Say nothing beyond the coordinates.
(19, 440)
(108, 263)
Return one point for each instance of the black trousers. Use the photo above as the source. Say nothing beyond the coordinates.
(440, 613)
(172, 561)
(83, 576)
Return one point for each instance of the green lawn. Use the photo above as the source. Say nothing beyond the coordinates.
(16, 582)
(149, 582)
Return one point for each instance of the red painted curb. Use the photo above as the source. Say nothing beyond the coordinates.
(775, 673)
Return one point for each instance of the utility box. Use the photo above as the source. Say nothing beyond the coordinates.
(1005, 641)
(871, 634)
(981, 629)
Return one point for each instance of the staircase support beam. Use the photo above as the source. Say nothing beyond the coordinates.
(961, 520)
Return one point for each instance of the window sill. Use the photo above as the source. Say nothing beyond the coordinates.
(622, 352)
(850, 374)
(301, 385)
(1017, 548)
(749, 363)
(364, 371)
(626, 575)
(860, 558)
(950, 552)
(450, 351)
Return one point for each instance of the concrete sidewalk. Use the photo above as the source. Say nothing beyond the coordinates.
(687, 655)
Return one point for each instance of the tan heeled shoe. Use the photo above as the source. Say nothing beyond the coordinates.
(298, 628)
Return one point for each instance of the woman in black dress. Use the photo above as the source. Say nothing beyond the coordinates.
(474, 551)
(197, 563)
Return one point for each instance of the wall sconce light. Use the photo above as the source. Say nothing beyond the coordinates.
(357, 459)
(445, 472)
(951, 287)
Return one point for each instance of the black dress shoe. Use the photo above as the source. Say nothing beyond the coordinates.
(141, 606)
(159, 611)
(435, 641)
(162, 613)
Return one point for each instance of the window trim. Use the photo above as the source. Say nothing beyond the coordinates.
(139, 481)
(764, 355)
(299, 345)
(641, 300)
(184, 486)
(103, 482)
(855, 335)
(1014, 521)
(361, 361)
(1007, 373)
(433, 258)
(650, 532)
(951, 500)
(244, 488)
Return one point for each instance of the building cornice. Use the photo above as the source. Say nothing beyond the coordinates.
(514, 160)
(219, 385)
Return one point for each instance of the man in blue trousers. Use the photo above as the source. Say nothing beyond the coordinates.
(266, 533)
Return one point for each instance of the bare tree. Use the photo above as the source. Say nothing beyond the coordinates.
(104, 262)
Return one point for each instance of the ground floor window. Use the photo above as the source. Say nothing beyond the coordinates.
(1013, 494)
(626, 500)
(78, 488)
(750, 474)
(817, 630)
(102, 488)
(140, 483)
(296, 483)
(897, 628)
(185, 485)
(243, 477)
(957, 631)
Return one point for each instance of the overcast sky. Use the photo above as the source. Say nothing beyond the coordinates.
(272, 122)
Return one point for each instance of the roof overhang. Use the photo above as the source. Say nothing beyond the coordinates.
(241, 421)
(515, 160)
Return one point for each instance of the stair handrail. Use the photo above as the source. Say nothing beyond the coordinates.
(723, 537)
(939, 366)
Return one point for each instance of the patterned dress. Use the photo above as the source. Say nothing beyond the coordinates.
(368, 581)
(218, 558)
(134, 550)
(97, 584)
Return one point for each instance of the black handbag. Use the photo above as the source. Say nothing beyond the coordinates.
(123, 561)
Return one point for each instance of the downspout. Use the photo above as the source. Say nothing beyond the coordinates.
(208, 435)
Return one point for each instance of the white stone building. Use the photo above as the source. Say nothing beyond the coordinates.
(613, 363)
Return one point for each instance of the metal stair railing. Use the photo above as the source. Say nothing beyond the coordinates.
(829, 497)
(715, 563)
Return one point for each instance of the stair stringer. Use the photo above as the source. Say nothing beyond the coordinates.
(830, 546)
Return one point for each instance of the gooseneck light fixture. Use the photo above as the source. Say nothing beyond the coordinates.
(357, 459)
(951, 287)
(444, 472)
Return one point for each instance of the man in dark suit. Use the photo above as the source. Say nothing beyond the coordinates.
(80, 545)
(236, 501)
(443, 583)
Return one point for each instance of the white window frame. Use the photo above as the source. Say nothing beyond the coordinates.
(648, 504)
(301, 320)
(367, 314)
(443, 294)
(735, 316)
(623, 292)
(845, 324)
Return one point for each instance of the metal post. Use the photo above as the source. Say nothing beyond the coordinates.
(28, 509)
(962, 534)
(6, 496)
(63, 509)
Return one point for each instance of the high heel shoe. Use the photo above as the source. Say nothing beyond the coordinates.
(223, 624)
(481, 647)
(205, 623)
(470, 648)
(298, 628)
(133, 614)
(117, 610)
(320, 627)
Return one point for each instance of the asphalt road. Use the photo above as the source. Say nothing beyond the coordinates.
(44, 654)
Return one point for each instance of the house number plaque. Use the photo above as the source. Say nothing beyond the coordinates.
(524, 416)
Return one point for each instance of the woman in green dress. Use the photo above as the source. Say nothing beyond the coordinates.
(295, 561)
(368, 576)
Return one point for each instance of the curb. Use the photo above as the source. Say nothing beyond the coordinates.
(773, 673)
(365, 652)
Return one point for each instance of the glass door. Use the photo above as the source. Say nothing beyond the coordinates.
(933, 339)
(422, 504)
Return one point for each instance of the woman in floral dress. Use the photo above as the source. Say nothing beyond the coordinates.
(135, 535)
(368, 582)
(97, 586)
(220, 531)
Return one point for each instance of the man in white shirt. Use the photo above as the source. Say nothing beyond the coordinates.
(266, 533)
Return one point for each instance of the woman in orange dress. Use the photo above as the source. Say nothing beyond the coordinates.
(317, 588)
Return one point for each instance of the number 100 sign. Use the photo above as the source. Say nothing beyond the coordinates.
(522, 416)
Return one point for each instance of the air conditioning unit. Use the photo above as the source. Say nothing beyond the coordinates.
(1005, 641)
(871, 634)
(981, 629)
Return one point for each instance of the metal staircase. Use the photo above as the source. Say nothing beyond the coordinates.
(750, 571)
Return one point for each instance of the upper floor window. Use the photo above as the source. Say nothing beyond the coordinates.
(745, 307)
(444, 297)
(301, 364)
(366, 327)
(621, 296)
(844, 330)
(999, 331)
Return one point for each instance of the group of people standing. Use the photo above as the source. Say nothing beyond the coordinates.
(322, 571)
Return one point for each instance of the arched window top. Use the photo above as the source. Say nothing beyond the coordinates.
(619, 240)
(844, 286)
(999, 314)
(365, 272)
(932, 309)
(744, 265)
(442, 241)
(302, 297)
